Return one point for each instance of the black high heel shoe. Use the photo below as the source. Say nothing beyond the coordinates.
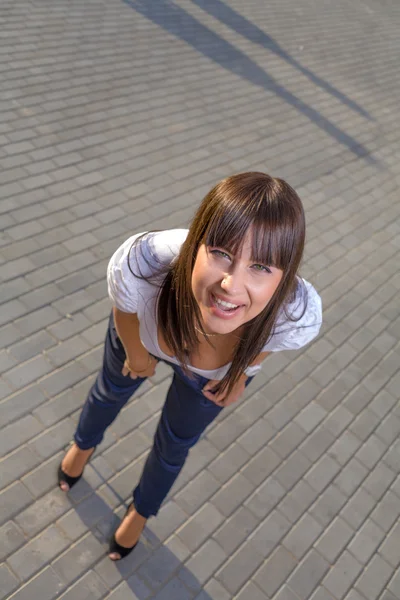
(68, 479)
(115, 547)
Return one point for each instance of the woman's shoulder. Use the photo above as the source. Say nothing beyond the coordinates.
(143, 255)
(299, 323)
(164, 245)
(149, 250)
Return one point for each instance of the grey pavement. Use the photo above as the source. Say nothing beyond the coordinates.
(116, 117)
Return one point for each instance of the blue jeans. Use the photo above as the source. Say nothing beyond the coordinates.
(184, 417)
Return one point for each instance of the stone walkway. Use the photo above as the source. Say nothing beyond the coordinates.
(116, 117)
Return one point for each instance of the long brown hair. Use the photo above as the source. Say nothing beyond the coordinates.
(276, 215)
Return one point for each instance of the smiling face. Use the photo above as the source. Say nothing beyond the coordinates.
(231, 288)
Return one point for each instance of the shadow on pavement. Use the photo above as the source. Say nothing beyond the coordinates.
(181, 24)
(151, 566)
(254, 34)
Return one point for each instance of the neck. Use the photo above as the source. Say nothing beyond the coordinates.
(218, 335)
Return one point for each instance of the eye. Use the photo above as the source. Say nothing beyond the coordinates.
(261, 268)
(220, 253)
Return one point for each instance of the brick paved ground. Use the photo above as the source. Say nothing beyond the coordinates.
(117, 116)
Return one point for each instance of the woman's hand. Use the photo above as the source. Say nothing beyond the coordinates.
(140, 370)
(225, 399)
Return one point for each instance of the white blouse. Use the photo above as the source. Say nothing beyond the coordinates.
(131, 294)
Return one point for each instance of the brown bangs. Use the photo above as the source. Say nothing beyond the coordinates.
(274, 225)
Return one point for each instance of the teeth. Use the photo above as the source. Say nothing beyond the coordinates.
(225, 304)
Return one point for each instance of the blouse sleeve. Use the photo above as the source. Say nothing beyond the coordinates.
(152, 253)
(292, 335)
(123, 285)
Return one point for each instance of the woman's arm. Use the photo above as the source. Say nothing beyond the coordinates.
(138, 360)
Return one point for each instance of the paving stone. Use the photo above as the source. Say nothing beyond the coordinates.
(239, 568)
(287, 440)
(308, 574)
(342, 575)
(295, 503)
(172, 518)
(29, 560)
(265, 498)
(388, 431)
(394, 584)
(11, 538)
(67, 351)
(28, 348)
(122, 592)
(197, 491)
(228, 463)
(13, 499)
(322, 473)
(351, 477)
(46, 585)
(366, 541)
(202, 565)
(159, 567)
(390, 549)
(270, 533)
(89, 587)
(309, 418)
(68, 327)
(227, 431)
(364, 424)
(202, 525)
(174, 589)
(275, 571)
(19, 404)
(358, 508)
(334, 540)
(302, 536)
(292, 470)
(8, 581)
(261, 465)
(231, 495)
(388, 596)
(53, 440)
(235, 530)
(328, 505)
(374, 578)
(62, 379)
(42, 512)
(63, 405)
(379, 480)
(37, 320)
(285, 593)
(80, 557)
(344, 448)
(28, 372)
(256, 436)
(16, 464)
(72, 525)
(386, 512)
(250, 590)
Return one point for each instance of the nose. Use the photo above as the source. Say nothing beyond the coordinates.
(232, 283)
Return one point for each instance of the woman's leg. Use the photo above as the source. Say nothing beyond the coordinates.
(185, 415)
(108, 395)
(110, 392)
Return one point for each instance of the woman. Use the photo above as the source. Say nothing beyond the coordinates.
(212, 302)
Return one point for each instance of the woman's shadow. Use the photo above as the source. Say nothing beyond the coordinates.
(156, 566)
(178, 22)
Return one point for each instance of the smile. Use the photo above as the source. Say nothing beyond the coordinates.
(225, 305)
(224, 308)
